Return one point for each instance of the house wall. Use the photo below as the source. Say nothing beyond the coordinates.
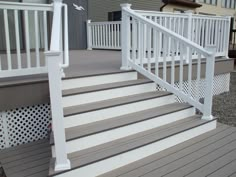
(98, 9)
(205, 9)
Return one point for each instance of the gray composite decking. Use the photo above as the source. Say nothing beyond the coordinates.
(212, 154)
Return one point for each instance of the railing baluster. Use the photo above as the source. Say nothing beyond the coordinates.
(45, 28)
(112, 36)
(17, 39)
(149, 47)
(8, 45)
(133, 40)
(27, 38)
(198, 77)
(165, 49)
(144, 42)
(158, 49)
(139, 41)
(190, 72)
(36, 26)
(173, 47)
(181, 46)
(118, 35)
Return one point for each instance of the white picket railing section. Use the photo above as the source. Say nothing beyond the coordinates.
(104, 35)
(203, 30)
(17, 65)
(165, 44)
(28, 39)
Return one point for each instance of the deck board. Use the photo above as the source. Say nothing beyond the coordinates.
(188, 157)
(212, 154)
(31, 159)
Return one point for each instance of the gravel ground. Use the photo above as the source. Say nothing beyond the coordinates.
(224, 105)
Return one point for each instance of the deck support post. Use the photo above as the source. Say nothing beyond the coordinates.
(89, 35)
(125, 38)
(210, 67)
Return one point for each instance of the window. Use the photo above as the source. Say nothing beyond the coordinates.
(114, 16)
(213, 2)
(228, 4)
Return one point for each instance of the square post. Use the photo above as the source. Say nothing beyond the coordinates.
(227, 37)
(55, 87)
(89, 35)
(189, 32)
(210, 67)
(125, 37)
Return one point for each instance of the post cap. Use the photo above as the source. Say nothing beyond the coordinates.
(188, 11)
(57, 0)
(127, 5)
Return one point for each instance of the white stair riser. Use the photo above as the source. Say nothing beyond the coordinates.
(91, 97)
(118, 161)
(98, 80)
(111, 135)
(107, 113)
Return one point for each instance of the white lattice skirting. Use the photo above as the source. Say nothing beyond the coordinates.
(29, 124)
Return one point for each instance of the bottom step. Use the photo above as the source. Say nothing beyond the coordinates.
(107, 157)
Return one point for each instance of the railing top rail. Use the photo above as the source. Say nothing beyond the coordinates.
(25, 6)
(183, 15)
(105, 23)
(169, 32)
(154, 13)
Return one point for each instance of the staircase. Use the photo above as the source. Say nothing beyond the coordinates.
(115, 119)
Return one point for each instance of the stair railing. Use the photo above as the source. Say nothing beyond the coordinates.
(56, 62)
(203, 30)
(148, 55)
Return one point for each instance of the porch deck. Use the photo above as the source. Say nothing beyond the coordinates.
(82, 63)
(211, 154)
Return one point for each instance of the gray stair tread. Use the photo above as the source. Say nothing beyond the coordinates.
(100, 126)
(172, 159)
(101, 87)
(101, 152)
(113, 102)
(31, 159)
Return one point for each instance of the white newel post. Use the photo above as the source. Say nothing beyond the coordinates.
(189, 31)
(89, 35)
(210, 67)
(54, 60)
(125, 37)
(55, 88)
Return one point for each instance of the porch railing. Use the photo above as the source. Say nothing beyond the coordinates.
(203, 30)
(147, 58)
(104, 35)
(34, 22)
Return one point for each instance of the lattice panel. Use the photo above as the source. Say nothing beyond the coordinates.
(27, 124)
(220, 85)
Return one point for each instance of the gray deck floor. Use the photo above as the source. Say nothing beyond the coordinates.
(212, 154)
(82, 63)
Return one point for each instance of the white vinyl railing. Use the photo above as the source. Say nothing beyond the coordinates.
(20, 60)
(152, 61)
(104, 35)
(203, 30)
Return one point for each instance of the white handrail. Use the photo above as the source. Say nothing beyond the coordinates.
(146, 44)
(203, 30)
